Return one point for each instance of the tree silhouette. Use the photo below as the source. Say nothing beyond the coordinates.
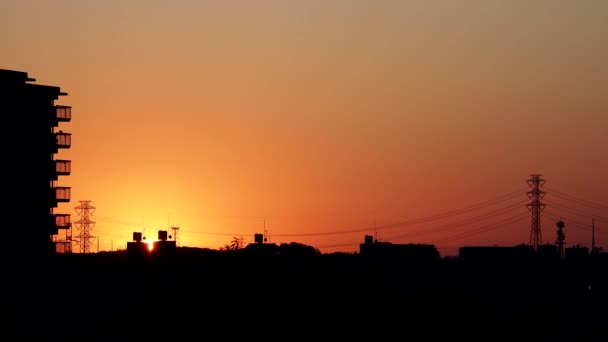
(234, 244)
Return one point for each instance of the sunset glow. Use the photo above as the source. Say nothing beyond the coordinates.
(322, 122)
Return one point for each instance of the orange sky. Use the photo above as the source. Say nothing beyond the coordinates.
(325, 117)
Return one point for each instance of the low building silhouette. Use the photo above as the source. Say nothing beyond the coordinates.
(576, 254)
(548, 252)
(495, 254)
(412, 252)
(162, 247)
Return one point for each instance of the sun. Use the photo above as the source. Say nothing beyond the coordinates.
(150, 244)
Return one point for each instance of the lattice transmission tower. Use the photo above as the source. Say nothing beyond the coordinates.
(84, 226)
(536, 194)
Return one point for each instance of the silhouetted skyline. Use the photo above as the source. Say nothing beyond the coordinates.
(404, 290)
(319, 118)
(336, 169)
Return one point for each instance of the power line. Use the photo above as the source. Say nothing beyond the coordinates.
(120, 222)
(576, 224)
(579, 202)
(484, 229)
(454, 212)
(414, 221)
(577, 199)
(576, 211)
(582, 226)
(474, 219)
(556, 217)
(426, 219)
(462, 235)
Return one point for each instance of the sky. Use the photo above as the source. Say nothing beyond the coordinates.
(321, 122)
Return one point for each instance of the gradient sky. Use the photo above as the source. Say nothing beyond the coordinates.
(325, 118)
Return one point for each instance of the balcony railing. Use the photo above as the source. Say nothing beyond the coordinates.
(64, 113)
(62, 193)
(63, 140)
(62, 221)
(63, 167)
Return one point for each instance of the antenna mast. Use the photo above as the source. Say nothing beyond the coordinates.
(265, 232)
(593, 235)
(375, 232)
(561, 237)
(175, 234)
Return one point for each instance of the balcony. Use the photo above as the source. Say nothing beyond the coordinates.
(62, 194)
(62, 221)
(63, 113)
(63, 167)
(63, 140)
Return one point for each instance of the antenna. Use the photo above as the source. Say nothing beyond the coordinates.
(175, 234)
(265, 232)
(593, 235)
(375, 232)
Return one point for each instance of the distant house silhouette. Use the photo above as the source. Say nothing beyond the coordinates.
(29, 224)
(260, 247)
(420, 253)
(576, 254)
(495, 254)
(548, 252)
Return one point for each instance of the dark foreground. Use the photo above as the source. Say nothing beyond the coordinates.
(210, 295)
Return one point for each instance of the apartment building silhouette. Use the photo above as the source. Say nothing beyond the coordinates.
(31, 169)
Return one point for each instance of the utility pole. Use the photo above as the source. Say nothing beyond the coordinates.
(536, 207)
